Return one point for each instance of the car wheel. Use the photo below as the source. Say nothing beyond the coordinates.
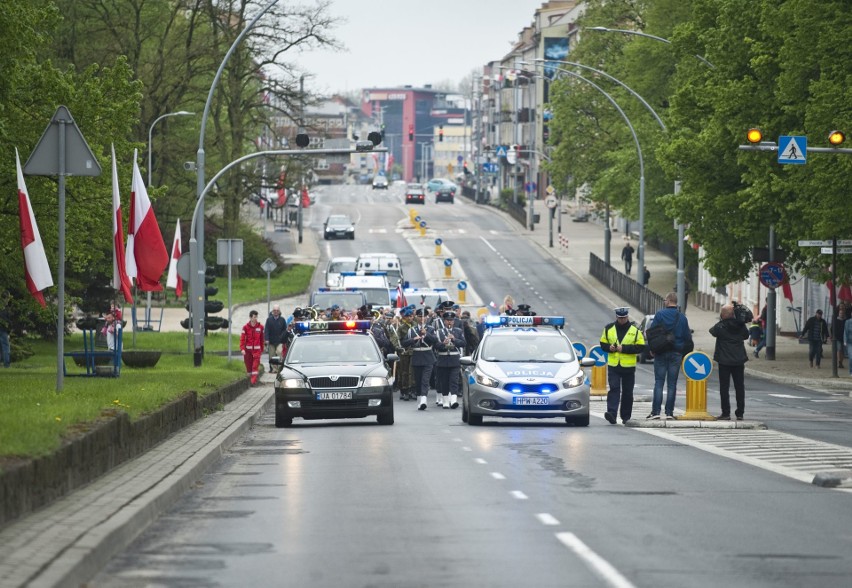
(474, 419)
(282, 420)
(578, 421)
(465, 416)
(386, 416)
(352, 237)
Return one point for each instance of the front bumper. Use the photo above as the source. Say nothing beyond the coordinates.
(497, 402)
(309, 407)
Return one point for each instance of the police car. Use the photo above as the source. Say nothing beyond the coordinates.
(333, 370)
(525, 367)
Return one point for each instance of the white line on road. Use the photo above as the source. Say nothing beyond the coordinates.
(518, 494)
(498, 476)
(598, 564)
(480, 460)
(547, 519)
(466, 449)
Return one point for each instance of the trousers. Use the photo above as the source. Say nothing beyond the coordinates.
(621, 382)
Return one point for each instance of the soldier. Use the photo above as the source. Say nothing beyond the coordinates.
(420, 340)
(403, 367)
(448, 348)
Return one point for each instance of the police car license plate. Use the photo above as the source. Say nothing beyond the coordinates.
(528, 401)
(334, 395)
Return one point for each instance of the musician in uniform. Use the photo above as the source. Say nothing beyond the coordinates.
(403, 378)
(450, 344)
(420, 340)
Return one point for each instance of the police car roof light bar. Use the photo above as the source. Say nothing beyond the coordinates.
(331, 326)
(504, 320)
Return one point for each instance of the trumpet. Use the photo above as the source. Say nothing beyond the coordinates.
(312, 310)
(376, 314)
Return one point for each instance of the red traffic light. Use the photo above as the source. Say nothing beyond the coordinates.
(440, 133)
(411, 132)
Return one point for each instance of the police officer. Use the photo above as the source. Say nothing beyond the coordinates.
(420, 339)
(448, 348)
(622, 340)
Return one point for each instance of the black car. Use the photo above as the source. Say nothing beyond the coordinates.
(444, 190)
(338, 226)
(415, 196)
(333, 370)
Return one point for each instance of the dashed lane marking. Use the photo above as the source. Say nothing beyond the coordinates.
(519, 495)
(596, 563)
(498, 476)
(547, 519)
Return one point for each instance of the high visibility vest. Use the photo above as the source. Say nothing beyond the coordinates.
(631, 337)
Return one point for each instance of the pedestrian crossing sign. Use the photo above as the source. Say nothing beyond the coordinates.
(501, 151)
(792, 149)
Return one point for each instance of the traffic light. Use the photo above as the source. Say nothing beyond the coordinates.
(302, 140)
(754, 135)
(411, 132)
(440, 133)
(466, 171)
(836, 138)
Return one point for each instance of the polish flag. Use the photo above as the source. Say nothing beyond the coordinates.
(120, 279)
(146, 255)
(174, 280)
(401, 302)
(36, 270)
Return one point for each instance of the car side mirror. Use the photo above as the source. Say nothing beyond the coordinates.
(587, 362)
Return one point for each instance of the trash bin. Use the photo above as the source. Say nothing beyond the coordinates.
(536, 218)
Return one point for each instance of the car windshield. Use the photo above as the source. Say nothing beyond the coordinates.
(377, 296)
(345, 300)
(335, 267)
(337, 349)
(430, 300)
(338, 220)
(528, 348)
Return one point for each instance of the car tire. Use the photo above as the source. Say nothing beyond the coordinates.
(386, 416)
(578, 421)
(465, 415)
(352, 237)
(282, 420)
(474, 420)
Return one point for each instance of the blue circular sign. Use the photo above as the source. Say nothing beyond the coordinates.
(459, 158)
(697, 366)
(448, 262)
(600, 356)
(772, 274)
(417, 218)
(580, 350)
(462, 285)
(422, 224)
(438, 242)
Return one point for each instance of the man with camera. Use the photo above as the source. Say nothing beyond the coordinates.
(730, 354)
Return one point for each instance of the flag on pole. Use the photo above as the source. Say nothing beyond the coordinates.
(787, 290)
(146, 256)
(120, 279)
(35, 260)
(401, 302)
(174, 280)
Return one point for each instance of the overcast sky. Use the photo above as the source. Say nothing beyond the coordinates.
(400, 42)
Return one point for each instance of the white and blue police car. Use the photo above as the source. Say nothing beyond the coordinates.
(525, 367)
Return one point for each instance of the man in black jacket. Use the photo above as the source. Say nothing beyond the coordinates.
(816, 332)
(275, 330)
(730, 354)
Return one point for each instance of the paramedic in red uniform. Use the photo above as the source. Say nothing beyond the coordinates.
(251, 345)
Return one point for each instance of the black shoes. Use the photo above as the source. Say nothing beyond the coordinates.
(723, 417)
(671, 416)
(739, 417)
(652, 417)
(609, 417)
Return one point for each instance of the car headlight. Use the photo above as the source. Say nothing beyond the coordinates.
(483, 380)
(292, 383)
(576, 380)
(375, 382)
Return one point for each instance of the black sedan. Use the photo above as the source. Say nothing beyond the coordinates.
(338, 226)
(333, 370)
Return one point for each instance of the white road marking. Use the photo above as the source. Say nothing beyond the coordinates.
(518, 494)
(480, 460)
(787, 396)
(825, 400)
(498, 476)
(466, 449)
(597, 564)
(547, 519)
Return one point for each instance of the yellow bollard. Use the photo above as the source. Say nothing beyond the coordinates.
(696, 401)
(422, 231)
(438, 243)
(448, 271)
(462, 292)
(598, 380)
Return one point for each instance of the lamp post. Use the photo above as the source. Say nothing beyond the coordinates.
(151, 130)
(646, 35)
(196, 258)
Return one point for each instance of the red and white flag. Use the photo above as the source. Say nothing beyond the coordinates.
(174, 280)
(120, 280)
(401, 302)
(35, 260)
(146, 256)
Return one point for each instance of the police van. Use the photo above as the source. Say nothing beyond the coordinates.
(387, 263)
(374, 287)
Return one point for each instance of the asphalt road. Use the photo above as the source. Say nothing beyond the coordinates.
(434, 502)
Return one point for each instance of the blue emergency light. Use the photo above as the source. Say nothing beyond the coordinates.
(302, 327)
(505, 320)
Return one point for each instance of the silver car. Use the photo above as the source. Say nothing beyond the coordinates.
(525, 367)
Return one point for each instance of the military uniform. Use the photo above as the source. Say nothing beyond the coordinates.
(622, 340)
(404, 374)
(449, 348)
(420, 340)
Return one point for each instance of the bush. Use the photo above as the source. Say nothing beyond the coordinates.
(507, 198)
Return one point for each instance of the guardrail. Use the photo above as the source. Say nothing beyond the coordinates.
(640, 297)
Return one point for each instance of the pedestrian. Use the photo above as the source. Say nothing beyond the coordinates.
(815, 332)
(627, 256)
(847, 338)
(508, 306)
(274, 332)
(251, 345)
(449, 346)
(471, 336)
(837, 333)
(667, 363)
(731, 356)
(111, 330)
(420, 339)
(646, 276)
(5, 329)
(622, 340)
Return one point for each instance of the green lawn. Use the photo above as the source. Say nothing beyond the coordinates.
(34, 417)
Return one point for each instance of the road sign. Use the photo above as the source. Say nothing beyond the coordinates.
(580, 350)
(183, 268)
(792, 149)
(501, 151)
(550, 189)
(600, 356)
(840, 250)
(79, 159)
(825, 243)
(448, 262)
(489, 168)
(772, 275)
(459, 159)
(551, 202)
(268, 265)
(462, 285)
(697, 366)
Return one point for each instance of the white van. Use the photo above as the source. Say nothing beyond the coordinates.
(387, 263)
(336, 266)
(374, 287)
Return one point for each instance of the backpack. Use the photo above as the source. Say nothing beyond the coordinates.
(660, 339)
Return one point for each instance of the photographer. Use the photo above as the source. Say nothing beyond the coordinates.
(730, 353)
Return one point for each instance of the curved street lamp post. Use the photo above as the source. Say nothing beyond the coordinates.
(151, 130)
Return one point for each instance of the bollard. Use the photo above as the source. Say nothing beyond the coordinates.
(598, 380)
(462, 286)
(422, 228)
(438, 243)
(448, 268)
(696, 401)
(415, 220)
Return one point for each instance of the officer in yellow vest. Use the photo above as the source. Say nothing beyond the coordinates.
(622, 340)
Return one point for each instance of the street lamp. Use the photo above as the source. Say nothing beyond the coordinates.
(151, 130)
(641, 34)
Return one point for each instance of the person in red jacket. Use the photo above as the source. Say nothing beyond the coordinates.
(251, 345)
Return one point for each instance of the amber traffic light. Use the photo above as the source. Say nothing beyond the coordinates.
(836, 138)
(754, 136)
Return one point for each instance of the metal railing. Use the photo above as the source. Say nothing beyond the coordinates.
(640, 297)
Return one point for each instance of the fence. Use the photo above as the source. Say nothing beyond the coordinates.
(640, 297)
